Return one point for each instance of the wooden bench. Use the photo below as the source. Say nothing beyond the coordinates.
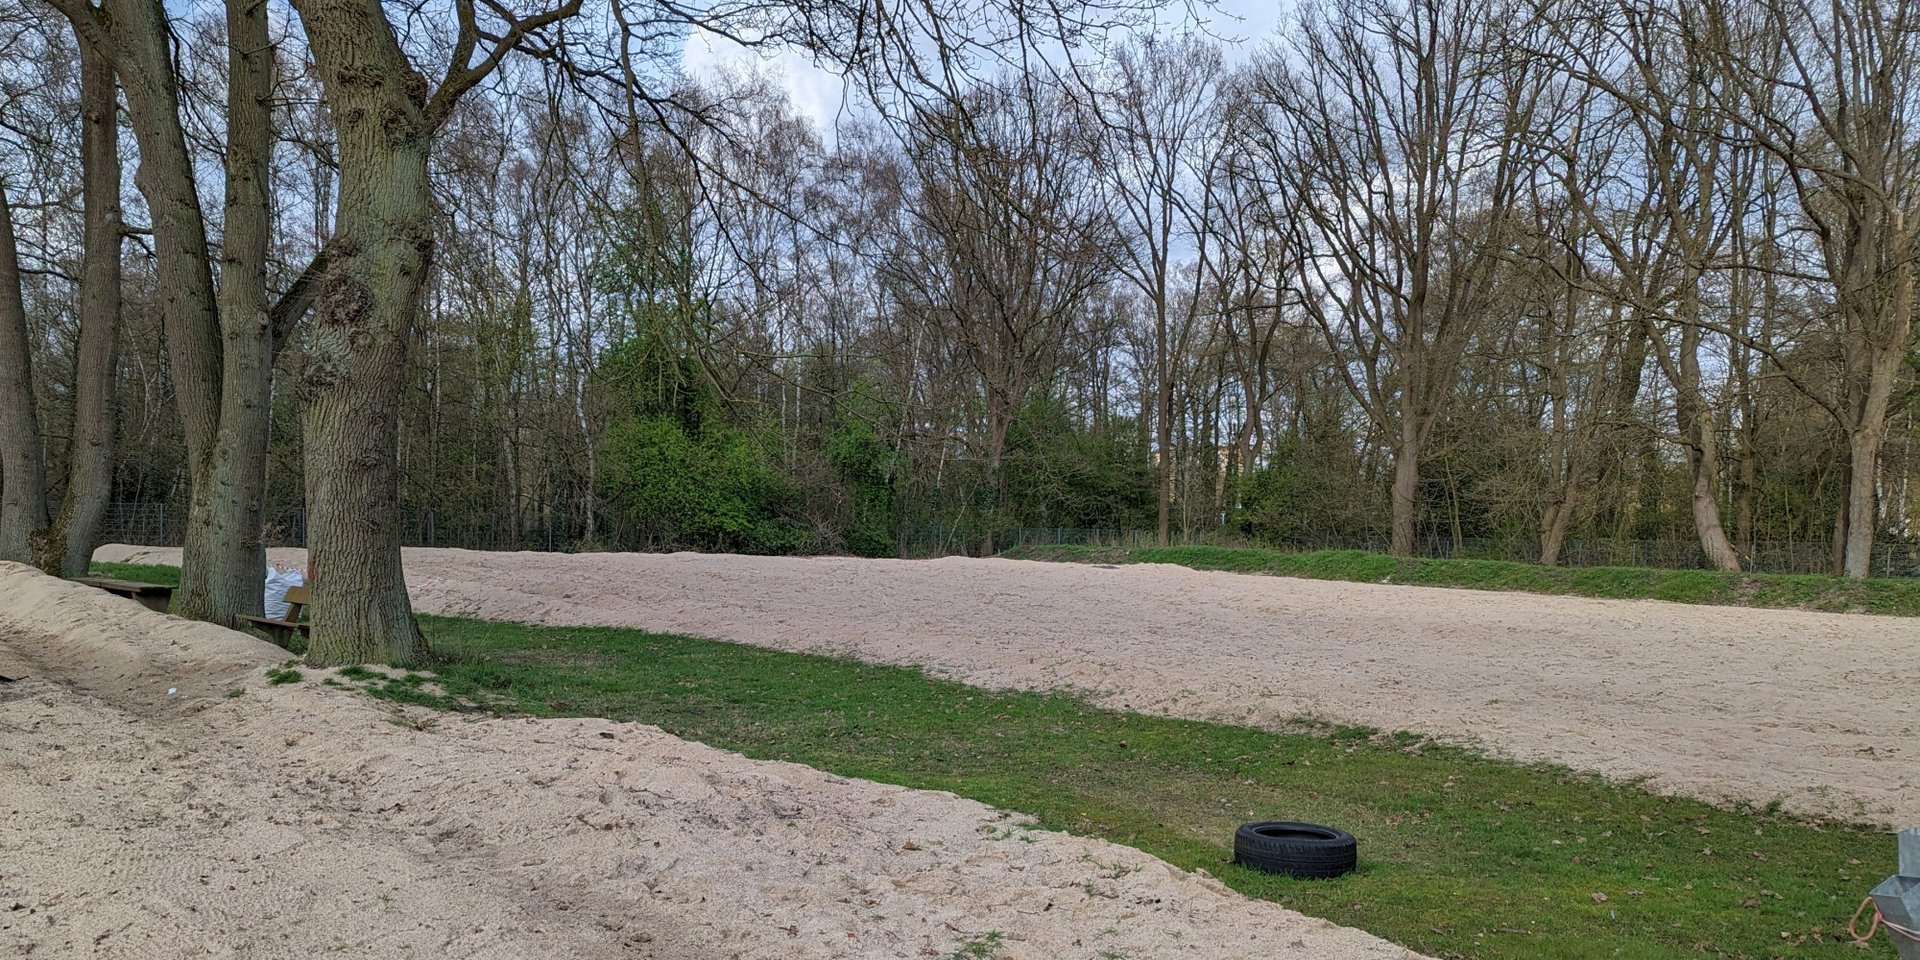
(153, 596)
(282, 631)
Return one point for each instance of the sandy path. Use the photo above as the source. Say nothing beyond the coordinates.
(1820, 710)
(302, 821)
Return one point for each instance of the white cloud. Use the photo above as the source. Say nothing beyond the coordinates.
(815, 93)
(820, 94)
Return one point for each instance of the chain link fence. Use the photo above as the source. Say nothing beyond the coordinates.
(159, 524)
(165, 525)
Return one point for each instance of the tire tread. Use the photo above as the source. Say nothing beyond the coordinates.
(1331, 854)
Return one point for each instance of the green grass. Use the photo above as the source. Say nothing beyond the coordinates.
(140, 572)
(1461, 856)
(1892, 596)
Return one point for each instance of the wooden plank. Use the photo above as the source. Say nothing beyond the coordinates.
(129, 587)
(271, 623)
(280, 632)
(154, 596)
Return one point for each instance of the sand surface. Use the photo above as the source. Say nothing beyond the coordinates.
(145, 814)
(1821, 711)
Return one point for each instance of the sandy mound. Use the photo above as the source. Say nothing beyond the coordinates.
(302, 820)
(1717, 702)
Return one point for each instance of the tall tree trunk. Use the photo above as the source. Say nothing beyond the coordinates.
(1163, 422)
(999, 422)
(23, 467)
(1406, 485)
(1719, 551)
(1742, 357)
(76, 531)
(1559, 516)
(1863, 448)
(356, 359)
(143, 58)
(1743, 518)
(1614, 486)
(1566, 456)
(1868, 427)
(221, 570)
(225, 552)
(1837, 558)
(1701, 444)
(1245, 449)
(1575, 453)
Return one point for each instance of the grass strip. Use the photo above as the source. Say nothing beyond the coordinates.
(140, 572)
(1894, 596)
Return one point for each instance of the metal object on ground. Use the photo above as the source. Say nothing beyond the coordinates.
(1898, 898)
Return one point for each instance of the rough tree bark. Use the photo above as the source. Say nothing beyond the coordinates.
(356, 353)
(23, 469)
(1699, 440)
(224, 548)
(76, 531)
(369, 284)
(221, 398)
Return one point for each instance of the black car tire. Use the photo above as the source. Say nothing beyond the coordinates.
(1304, 850)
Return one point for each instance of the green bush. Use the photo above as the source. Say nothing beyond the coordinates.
(1061, 472)
(865, 467)
(714, 491)
(1303, 493)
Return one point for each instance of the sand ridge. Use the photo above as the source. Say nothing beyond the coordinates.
(304, 820)
(1821, 711)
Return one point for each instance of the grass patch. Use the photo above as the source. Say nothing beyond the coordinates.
(140, 572)
(1894, 596)
(986, 946)
(1461, 856)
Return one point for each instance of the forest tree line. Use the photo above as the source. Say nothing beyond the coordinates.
(1531, 271)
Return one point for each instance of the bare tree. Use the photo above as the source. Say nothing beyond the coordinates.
(1395, 124)
(1254, 272)
(90, 460)
(1010, 241)
(221, 339)
(1573, 366)
(1662, 215)
(1830, 89)
(1159, 129)
(23, 470)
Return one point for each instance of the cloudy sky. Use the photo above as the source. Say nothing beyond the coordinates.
(818, 93)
